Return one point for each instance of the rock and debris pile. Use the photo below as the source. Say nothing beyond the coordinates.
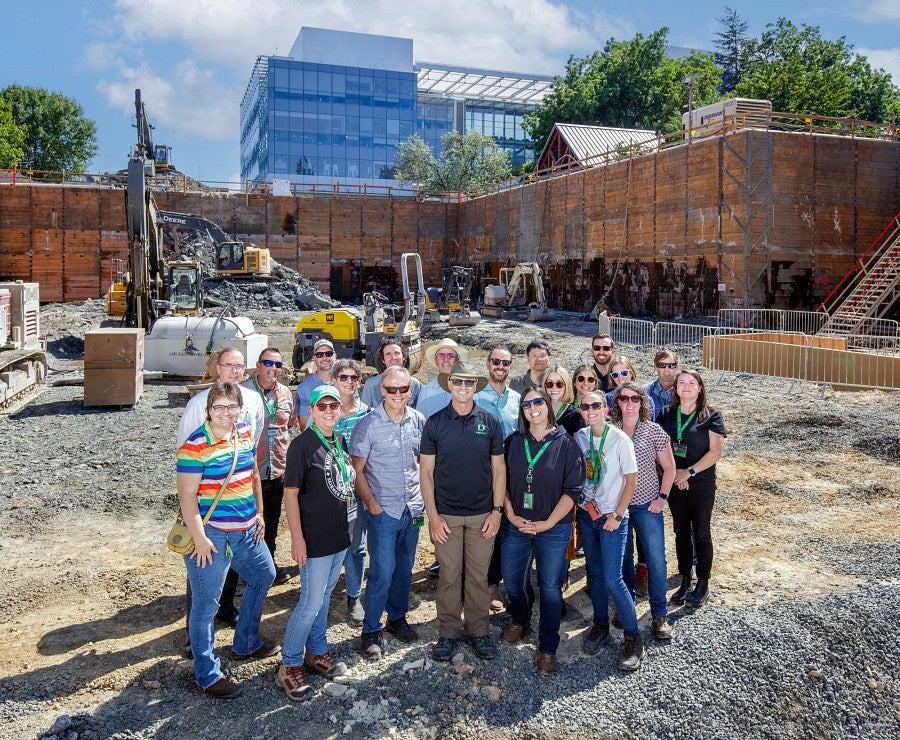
(288, 290)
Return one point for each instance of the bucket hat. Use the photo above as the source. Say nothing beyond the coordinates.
(462, 369)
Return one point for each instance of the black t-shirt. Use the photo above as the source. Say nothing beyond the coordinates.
(462, 446)
(559, 470)
(571, 419)
(604, 382)
(323, 499)
(695, 436)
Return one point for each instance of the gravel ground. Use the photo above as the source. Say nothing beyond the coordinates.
(797, 640)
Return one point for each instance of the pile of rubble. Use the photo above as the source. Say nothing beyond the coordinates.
(286, 290)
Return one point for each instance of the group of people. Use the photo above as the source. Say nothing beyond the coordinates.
(503, 470)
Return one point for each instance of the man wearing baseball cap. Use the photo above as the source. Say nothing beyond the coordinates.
(463, 482)
(323, 360)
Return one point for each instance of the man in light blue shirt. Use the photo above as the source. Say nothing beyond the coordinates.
(390, 354)
(497, 397)
(385, 452)
(660, 390)
(324, 358)
(445, 354)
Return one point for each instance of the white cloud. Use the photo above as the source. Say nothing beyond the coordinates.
(877, 11)
(886, 59)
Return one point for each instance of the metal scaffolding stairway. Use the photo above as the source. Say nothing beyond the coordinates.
(869, 290)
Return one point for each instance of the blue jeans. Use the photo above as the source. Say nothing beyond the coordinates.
(392, 554)
(651, 532)
(253, 561)
(603, 553)
(548, 549)
(355, 562)
(308, 626)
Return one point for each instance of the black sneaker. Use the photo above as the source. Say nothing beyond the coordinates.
(443, 649)
(283, 575)
(370, 644)
(484, 647)
(355, 609)
(401, 629)
(227, 616)
(434, 570)
(594, 638)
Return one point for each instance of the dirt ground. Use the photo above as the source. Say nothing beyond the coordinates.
(91, 602)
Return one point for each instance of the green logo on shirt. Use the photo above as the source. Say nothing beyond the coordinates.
(481, 428)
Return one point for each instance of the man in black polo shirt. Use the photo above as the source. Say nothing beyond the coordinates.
(463, 479)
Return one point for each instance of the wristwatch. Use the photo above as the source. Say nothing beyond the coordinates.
(618, 518)
(692, 472)
(498, 508)
(664, 496)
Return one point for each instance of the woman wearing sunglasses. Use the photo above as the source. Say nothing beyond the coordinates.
(697, 433)
(544, 478)
(583, 381)
(345, 375)
(557, 383)
(621, 370)
(652, 449)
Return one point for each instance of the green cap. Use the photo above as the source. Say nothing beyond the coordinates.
(321, 391)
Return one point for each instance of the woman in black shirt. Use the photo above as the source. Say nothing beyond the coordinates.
(697, 432)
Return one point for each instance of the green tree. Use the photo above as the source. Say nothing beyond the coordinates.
(800, 72)
(732, 44)
(12, 137)
(467, 162)
(58, 135)
(630, 84)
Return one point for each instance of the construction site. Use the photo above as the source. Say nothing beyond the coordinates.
(765, 253)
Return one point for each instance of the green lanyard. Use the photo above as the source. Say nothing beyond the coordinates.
(597, 460)
(272, 409)
(338, 454)
(681, 427)
(532, 461)
(560, 412)
(634, 433)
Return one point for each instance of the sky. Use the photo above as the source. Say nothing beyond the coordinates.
(192, 58)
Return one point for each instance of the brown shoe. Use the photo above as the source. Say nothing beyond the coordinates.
(224, 688)
(594, 638)
(546, 664)
(293, 680)
(662, 630)
(325, 664)
(514, 633)
(266, 650)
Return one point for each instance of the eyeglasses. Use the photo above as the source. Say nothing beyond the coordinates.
(629, 399)
(496, 361)
(596, 405)
(225, 408)
(325, 406)
(666, 365)
(585, 379)
(231, 366)
(272, 363)
(446, 355)
(619, 374)
(324, 353)
(554, 384)
(533, 402)
(394, 389)
(457, 382)
(602, 348)
(348, 378)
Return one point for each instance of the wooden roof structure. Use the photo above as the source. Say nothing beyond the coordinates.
(572, 145)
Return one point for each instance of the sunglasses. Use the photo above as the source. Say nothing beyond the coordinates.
(231, 366)
(619, 374)
(225, 408)
(583, 379)
(666, 365)
(332, 406)
(533, 402)
(629, 399)
(495, 361)
(348, 378)
(272, 363)
(457, 382)
(327, 353)
(602, 348)
(394, 389)
(554, 384)
(596, 405)
(446, 355)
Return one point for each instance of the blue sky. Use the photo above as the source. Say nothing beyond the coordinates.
(192, 58)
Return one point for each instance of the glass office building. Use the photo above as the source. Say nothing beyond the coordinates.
(336, 108)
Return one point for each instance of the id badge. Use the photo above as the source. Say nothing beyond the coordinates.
(351, 509)
(679, 450)
(418, 521)
(589, 469)
(528, 501)
(593, 510)
(271, 439)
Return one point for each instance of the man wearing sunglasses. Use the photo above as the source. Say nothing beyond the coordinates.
(463, 479)
(271, 446)
(603, 349)
(660, 390)
(433, 395)
(388, 355)
(324, 358)
(385, 452)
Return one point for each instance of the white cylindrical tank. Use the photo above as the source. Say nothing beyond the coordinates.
(180, 345)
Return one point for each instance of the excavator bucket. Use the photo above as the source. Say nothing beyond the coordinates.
(539, 313)
(464, 318)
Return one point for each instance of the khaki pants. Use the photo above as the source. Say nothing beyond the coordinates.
(465, 545)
